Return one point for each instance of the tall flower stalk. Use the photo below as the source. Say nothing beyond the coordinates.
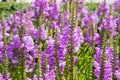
(39, 63)
(104, 45)
(103, 55)
(23, 61)
(58, 72)
(47, 44)
(5, 52)
(71, 41)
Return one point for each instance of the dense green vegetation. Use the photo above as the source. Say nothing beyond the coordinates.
(7, 8)
(97, 40)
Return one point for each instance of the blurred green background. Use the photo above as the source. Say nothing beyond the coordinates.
(7, 8)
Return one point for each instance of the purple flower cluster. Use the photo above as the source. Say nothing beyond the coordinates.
(40, 40)
(97, 63)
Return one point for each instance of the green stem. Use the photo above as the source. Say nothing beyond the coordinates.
(39, 73)
(104, 35)
(76, 9)
(92, 76)
(58, 73)
(23, 66)
(91, 5)
(6, 55)
(66, 70)
(114, 59)
(38, 64)
(21, 33)
(75, 73)
(62, 21)
(103, 55)
(119, 40)
(71, 42)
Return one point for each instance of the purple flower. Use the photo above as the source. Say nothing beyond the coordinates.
(29, 44)
(110, 25)
(92, 18)
(103, 9)
(97, 70)
(1, 77)
(75, 59)
(54, 25)
(39, 6)
(78, 38)
(36, 34)
(1, 56)
(108, 70)
(35, 53)
(43, 59)
(117, 73)
(35, 77)
(28, 25)
(64, 38)
(1, 44)
(7, 77)
(109, 53)
(97, 38)
(14, 61)
(97, 63)
(61, 53)
(54, 12)
(83, 11)
(50, 52)
(50, 75)
(62, 66)
(16, 41)
(43, 32)
(66, 17)
(116, 5)
(82, 2)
